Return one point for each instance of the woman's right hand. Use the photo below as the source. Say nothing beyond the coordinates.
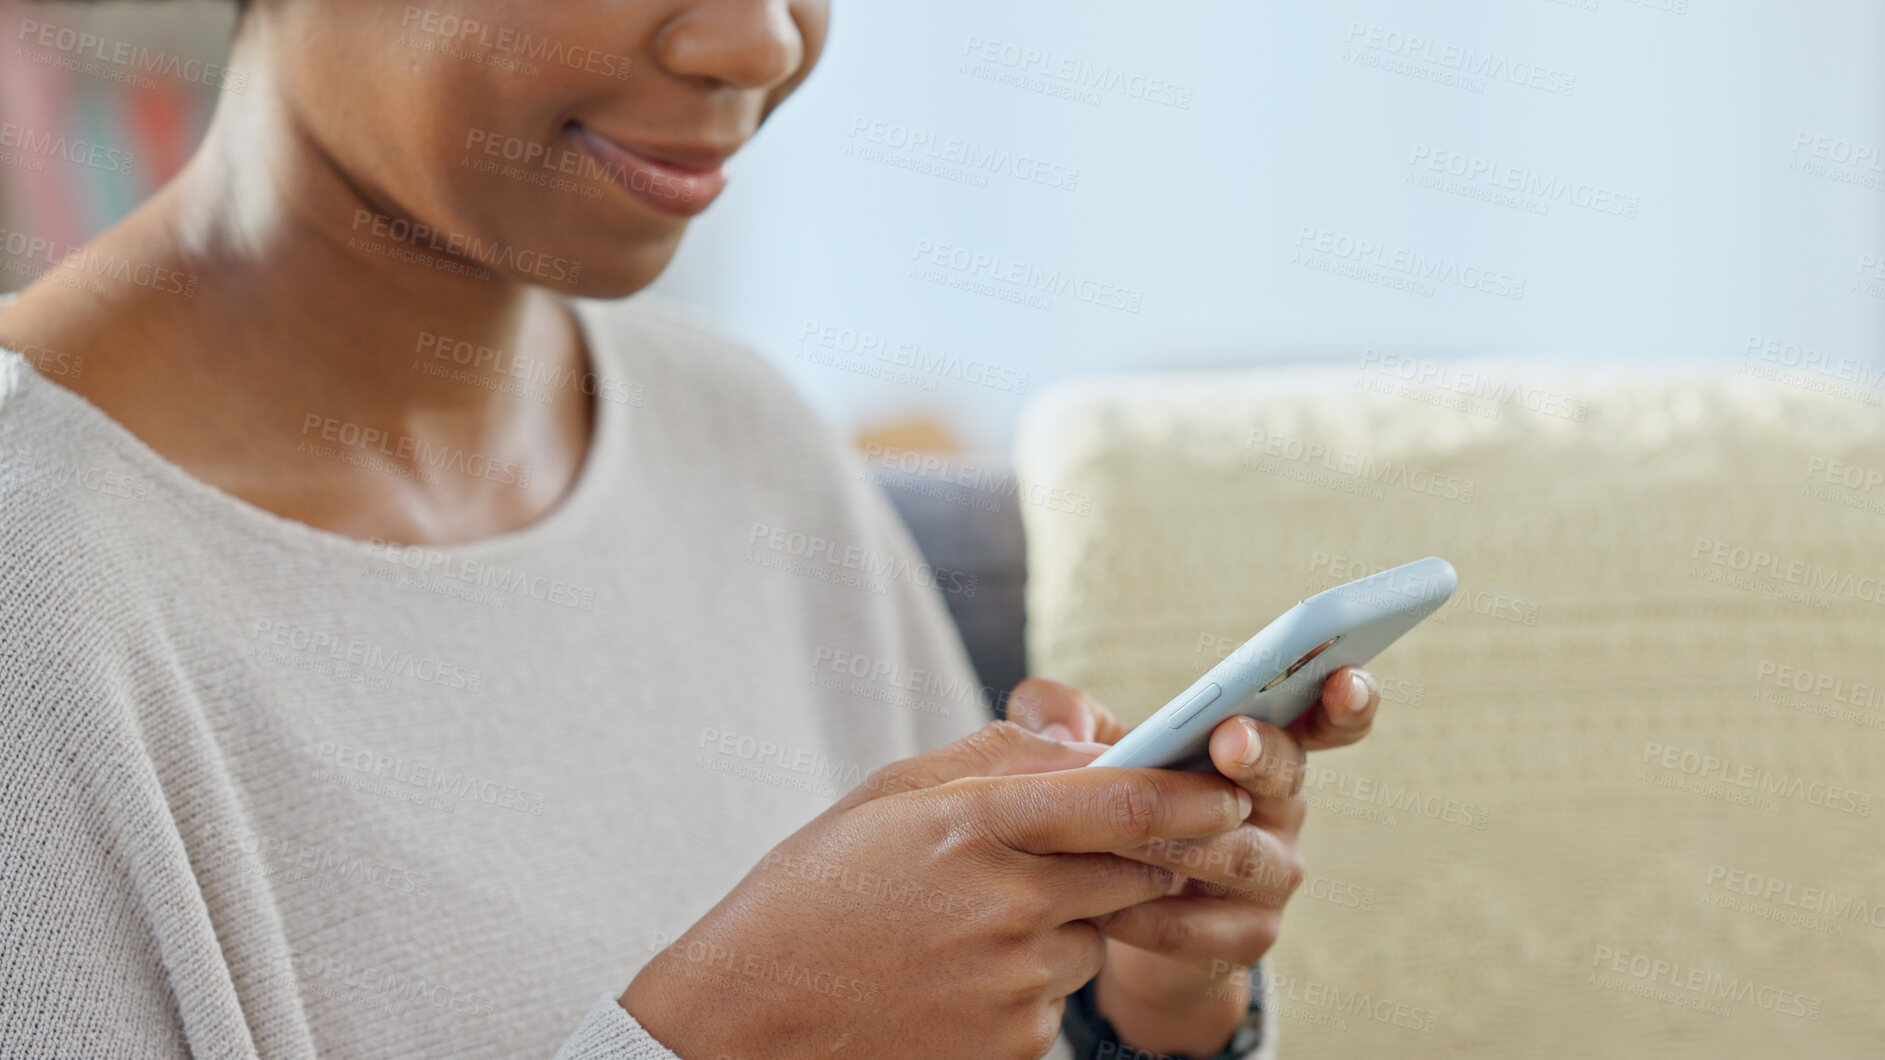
(937, 910)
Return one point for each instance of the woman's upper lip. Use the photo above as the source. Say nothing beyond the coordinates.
(702, 158)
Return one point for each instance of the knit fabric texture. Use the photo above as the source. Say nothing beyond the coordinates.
(267, 791)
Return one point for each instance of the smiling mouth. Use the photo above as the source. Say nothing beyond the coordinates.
(679, 181)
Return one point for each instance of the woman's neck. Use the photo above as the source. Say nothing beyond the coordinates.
(261, 302)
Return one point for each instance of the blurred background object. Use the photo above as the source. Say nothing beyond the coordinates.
(968, 201)
(1621, 795)
(100, 104)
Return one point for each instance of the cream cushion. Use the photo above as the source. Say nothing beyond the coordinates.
(1660, 687)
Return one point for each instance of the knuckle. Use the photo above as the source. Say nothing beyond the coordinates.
(1258, 937)
(1251, 867)
(992, 742)
(1031, 698)
(1132, 805)
(894, 779)
(1170, 934)
(1034, 976)
(1291, 871)
(1028, 906)
(1042, 1031)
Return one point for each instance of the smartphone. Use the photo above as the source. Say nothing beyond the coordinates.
(1277, 675)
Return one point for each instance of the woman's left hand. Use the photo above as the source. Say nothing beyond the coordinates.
(1175, 979)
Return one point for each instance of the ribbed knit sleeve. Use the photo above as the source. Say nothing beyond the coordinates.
(608, 1032)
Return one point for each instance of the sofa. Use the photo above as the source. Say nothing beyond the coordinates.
(1620, 796)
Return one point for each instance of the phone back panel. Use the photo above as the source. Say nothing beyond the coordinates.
(1278, 674)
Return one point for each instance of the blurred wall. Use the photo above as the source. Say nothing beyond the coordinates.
(997, 191)
(970, 200)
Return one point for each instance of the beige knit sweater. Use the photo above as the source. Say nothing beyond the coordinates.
(268, 791)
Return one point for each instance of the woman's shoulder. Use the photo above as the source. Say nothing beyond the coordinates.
(63, 486)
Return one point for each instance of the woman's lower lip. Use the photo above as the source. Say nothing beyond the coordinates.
(669, 189)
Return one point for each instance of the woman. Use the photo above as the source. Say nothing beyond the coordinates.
(404, 650)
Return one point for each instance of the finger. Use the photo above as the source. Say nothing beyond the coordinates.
(997, 749)
(1074, 953)
(1197, 930)
(1062, 712)
(1101, 809)
(1344, 714)
(1074, 887)
(1251, 863)
(1262, 759)
(1281, 816)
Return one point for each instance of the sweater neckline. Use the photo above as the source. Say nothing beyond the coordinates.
(567, 517)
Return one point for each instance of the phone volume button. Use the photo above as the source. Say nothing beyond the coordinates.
(1205, 697)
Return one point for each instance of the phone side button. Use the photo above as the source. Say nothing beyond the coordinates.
(1205, 697)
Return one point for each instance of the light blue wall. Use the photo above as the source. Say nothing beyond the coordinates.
(1305, 116)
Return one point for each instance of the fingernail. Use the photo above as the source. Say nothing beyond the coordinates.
(1244, 804)
(1253, 744)
(1358, 694)
(1057, 731)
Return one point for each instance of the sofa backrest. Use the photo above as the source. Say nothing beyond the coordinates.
(1620, 797)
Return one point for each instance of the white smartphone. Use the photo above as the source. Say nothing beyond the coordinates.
(1278, 674)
